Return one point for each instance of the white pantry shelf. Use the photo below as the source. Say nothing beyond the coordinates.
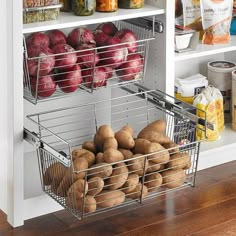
(67, 20)
(206, 50)
(227, 138)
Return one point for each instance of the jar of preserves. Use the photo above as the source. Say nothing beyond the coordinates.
(107, 5)
(66, 5)
(83, 7)
(130, 4)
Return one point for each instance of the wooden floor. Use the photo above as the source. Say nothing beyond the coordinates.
(209, 209)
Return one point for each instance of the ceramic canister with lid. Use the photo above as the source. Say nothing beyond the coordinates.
(233, 100)
(220, 76)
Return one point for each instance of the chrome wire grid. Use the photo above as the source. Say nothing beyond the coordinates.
(65, 130)
(63, 81)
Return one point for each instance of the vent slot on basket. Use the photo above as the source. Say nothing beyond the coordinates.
(38, 85)
(66, 129)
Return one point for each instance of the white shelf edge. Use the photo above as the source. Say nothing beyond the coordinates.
(206, 50)
(67, 20)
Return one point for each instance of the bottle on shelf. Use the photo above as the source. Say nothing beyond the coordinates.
(107, 5)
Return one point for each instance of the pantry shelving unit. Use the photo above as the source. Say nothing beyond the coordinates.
(19, 167)
(18, 163)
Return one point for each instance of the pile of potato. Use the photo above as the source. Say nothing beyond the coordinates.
(116, 166)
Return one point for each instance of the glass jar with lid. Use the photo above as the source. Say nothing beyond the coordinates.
(107, 5)
(83, 7)
(130, 4)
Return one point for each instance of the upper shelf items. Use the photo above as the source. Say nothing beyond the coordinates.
(206, 50)
(69, 20)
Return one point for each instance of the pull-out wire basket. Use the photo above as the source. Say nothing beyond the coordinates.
(104, 187)
(47, 77)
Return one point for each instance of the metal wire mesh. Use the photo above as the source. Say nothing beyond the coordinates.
(92, 67)
(108, 186)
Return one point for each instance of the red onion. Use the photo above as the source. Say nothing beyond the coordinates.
(98, 80)
(88, 58)
(55, 37)
(66, 58)
(80, 36)
(127, 36)
(109, 72)
(100, 38)
(107, 28)
(70, 80)
(37, 39)
(46, 86)
(47, 60)
(114, 55)
(131, 68)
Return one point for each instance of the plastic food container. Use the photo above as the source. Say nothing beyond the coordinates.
(182, 41)
(130, 4)
(220, 76)
(38, 10)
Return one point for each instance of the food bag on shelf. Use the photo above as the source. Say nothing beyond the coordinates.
(187, 88)
(216, 19)
(210, 103)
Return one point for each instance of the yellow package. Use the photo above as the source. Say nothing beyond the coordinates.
(207, 105)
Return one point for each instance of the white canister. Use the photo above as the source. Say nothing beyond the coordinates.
(233, 100)
(220, 76)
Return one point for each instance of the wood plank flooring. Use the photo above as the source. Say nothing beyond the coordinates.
(208, 209)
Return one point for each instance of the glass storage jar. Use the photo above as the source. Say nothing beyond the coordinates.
(83, 7)
(107, 5)
(66, 5)
(130, 4)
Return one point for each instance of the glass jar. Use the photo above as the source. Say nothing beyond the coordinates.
(83, 7)
(107, 5)
(66, 5)
(130, 4)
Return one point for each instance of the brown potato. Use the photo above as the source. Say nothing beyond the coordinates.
(128, 129)
(90, 146)
(119, 176)
(173, 178)
(153, 181)
(54, 173)
(131, 183)
(152, 167)
(124, 139)
(126, 153)
(179, 161)
(95, 185)
(157, 126)
(102, 170)
(140, 145)
(160, 154)
(136, 166)
(80, 165)
(77, 203)
(104, 131)
(78, 189)
(108, 198)
(110, 142)
(155, 137)
(79, 153)
(112, 155)
(172, 147)
(99, 157)
(138, 192)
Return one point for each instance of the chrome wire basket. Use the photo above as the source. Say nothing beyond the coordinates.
(94, 68)
(107, 186)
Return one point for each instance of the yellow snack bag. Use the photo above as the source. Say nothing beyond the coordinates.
(208, 105)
